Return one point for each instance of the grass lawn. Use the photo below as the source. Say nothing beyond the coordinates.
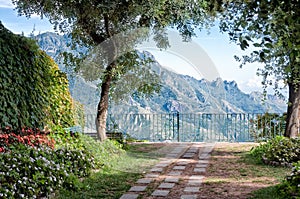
(111, 182)
(233, 174)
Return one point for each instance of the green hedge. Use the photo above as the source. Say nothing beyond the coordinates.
(34, 92)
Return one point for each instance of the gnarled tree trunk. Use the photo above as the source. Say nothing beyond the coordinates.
(103, 104)
(293, 112)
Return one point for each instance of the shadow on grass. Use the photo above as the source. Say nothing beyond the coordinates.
(107, 183)
(232, 173)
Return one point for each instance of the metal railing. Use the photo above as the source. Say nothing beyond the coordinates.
(233, 127)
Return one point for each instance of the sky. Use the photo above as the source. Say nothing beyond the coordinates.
(213, 50)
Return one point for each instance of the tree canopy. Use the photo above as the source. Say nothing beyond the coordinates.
(92, 23)
(272, 29)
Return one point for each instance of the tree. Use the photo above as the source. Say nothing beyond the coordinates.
(92, 23)
(272, 28)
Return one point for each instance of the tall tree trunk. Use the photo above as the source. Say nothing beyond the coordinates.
(293, 112)
(103, 104)
(106, 83)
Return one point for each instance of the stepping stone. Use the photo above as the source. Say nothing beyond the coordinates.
(191, 189)
(145, 180)
(196, 177)
(157, 169)
(188, 197)
(129, 196)
(162, 165)
(204, 156)
(203, 161)
(194, 182)
(179, 168)
(172, 155)
(160, 193)
(175, 173)
(166, 185)
(201, 165)
(188, 155)
(172, 179)
(138, 188)
(182, 163)
(199, 170)
(151, 175)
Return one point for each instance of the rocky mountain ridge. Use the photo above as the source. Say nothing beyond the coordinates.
(180, 93)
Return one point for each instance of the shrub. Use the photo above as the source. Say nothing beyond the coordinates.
(26, 136)
(30, 167)
(28, 172)
(278, 151)
(102, 152)
(290, 188)
(40, 94)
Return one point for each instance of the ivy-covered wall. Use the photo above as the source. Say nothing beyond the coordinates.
(33, 91)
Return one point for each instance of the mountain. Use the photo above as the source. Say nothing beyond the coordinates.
(180, 93)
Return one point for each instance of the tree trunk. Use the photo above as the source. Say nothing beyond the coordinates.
(293, 117)
(103, 104)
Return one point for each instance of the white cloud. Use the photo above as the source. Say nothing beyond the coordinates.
(6, 4)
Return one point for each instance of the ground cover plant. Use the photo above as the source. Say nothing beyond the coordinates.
(281, 151)
(31, 166)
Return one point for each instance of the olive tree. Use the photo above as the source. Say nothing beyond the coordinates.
(92, 22)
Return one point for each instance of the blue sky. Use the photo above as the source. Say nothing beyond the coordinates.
(215, 45)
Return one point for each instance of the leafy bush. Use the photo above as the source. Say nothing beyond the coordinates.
(268, 126)
(28, 172)
(278, 151)
(26, 136)
(102, 152)
(290, 188)
(40, 94)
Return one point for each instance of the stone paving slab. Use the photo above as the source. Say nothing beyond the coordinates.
(160, 193)
(196, 177)
(188, 155)
(182, 163)
(162, 165)
(166, 185)
(145, 180)
(175, 173)
(179, 168)
(194, 183)
(138, 188)
(191, 189)
(203, 161)
(188, 197)
(201, 165)
(152, 175)
(199, 170)
(157, 169)
(129, 196)
(171, 179)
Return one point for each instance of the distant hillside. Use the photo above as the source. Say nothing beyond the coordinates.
(179, 92)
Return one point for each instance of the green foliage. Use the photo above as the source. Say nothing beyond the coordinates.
(29, 137)
(273, 30)
(268, 125)
(34, 92)
(102, 152)
(290, 188)
(278, 151)
(28, 172)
